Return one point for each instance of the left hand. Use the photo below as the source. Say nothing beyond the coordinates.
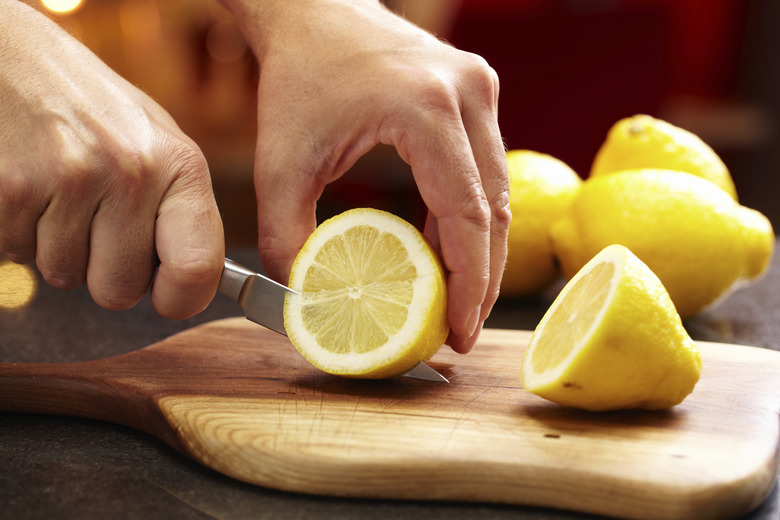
(338, 77)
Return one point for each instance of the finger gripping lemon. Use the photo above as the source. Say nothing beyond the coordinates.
(371, 299)
(612, 340)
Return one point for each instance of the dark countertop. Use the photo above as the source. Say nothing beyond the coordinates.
(73, 468)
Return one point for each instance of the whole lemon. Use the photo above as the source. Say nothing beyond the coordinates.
(541, 187)
(693, 235)
(642, 141)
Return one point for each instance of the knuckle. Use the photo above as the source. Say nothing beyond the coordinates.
(76, 166)
(433, 90)
(197, 269)
(501, 212)
(132, 172)
(120, 166)
(118, 287)
(61, 262)
(186, 159)
(75, 177)
(126, 168)
(189, 284)
(481, 78)
(59, 279)
(475, 206)
(15, 192)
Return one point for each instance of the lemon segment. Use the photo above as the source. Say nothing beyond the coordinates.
(541, 188)
(372, 296)
(612, 340)
(643, 141)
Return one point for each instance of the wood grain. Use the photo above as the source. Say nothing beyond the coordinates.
(239, 399)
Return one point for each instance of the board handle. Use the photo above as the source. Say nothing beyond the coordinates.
(90, 390)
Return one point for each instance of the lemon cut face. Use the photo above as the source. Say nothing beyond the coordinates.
(372, 296)
(578, 315)
(612, 340)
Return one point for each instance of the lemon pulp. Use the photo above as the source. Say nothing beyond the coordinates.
(575, 317)
(371, 299)
(357, 292)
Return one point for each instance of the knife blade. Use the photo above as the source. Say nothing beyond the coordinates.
(262, 300)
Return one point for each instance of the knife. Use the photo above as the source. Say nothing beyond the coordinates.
(263, 302)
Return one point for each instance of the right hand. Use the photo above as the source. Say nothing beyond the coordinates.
(97, 182)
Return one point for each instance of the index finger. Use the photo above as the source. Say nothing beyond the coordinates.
(190, 246)
(480, 119)
(458, 161)
(450, 185)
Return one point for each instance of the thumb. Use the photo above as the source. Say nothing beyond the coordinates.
(190, 245)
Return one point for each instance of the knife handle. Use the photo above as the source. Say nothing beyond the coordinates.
(234, 276)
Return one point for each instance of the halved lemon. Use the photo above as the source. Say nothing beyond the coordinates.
(612, 339)
(372, 299)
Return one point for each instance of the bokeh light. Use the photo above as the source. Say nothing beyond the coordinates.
(17, 285)
(61, 6)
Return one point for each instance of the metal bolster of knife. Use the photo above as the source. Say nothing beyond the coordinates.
(234, 277)
(263, 306)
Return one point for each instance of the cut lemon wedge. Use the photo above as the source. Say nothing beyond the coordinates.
(371, 299)
(612, 339)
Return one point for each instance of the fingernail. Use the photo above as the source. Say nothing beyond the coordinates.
(471, 325)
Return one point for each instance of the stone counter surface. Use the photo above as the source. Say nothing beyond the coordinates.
(60, 467)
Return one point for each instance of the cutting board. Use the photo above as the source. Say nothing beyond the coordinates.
(239, 399)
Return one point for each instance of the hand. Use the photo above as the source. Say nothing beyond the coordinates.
(337, 78)
(97, 183)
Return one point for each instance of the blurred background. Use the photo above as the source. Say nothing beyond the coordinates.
(568, 69)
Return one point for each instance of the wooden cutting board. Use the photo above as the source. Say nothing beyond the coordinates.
(240, 399)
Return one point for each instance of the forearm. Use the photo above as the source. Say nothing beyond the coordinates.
(21, 24)
(266, 23)
(37, 57)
